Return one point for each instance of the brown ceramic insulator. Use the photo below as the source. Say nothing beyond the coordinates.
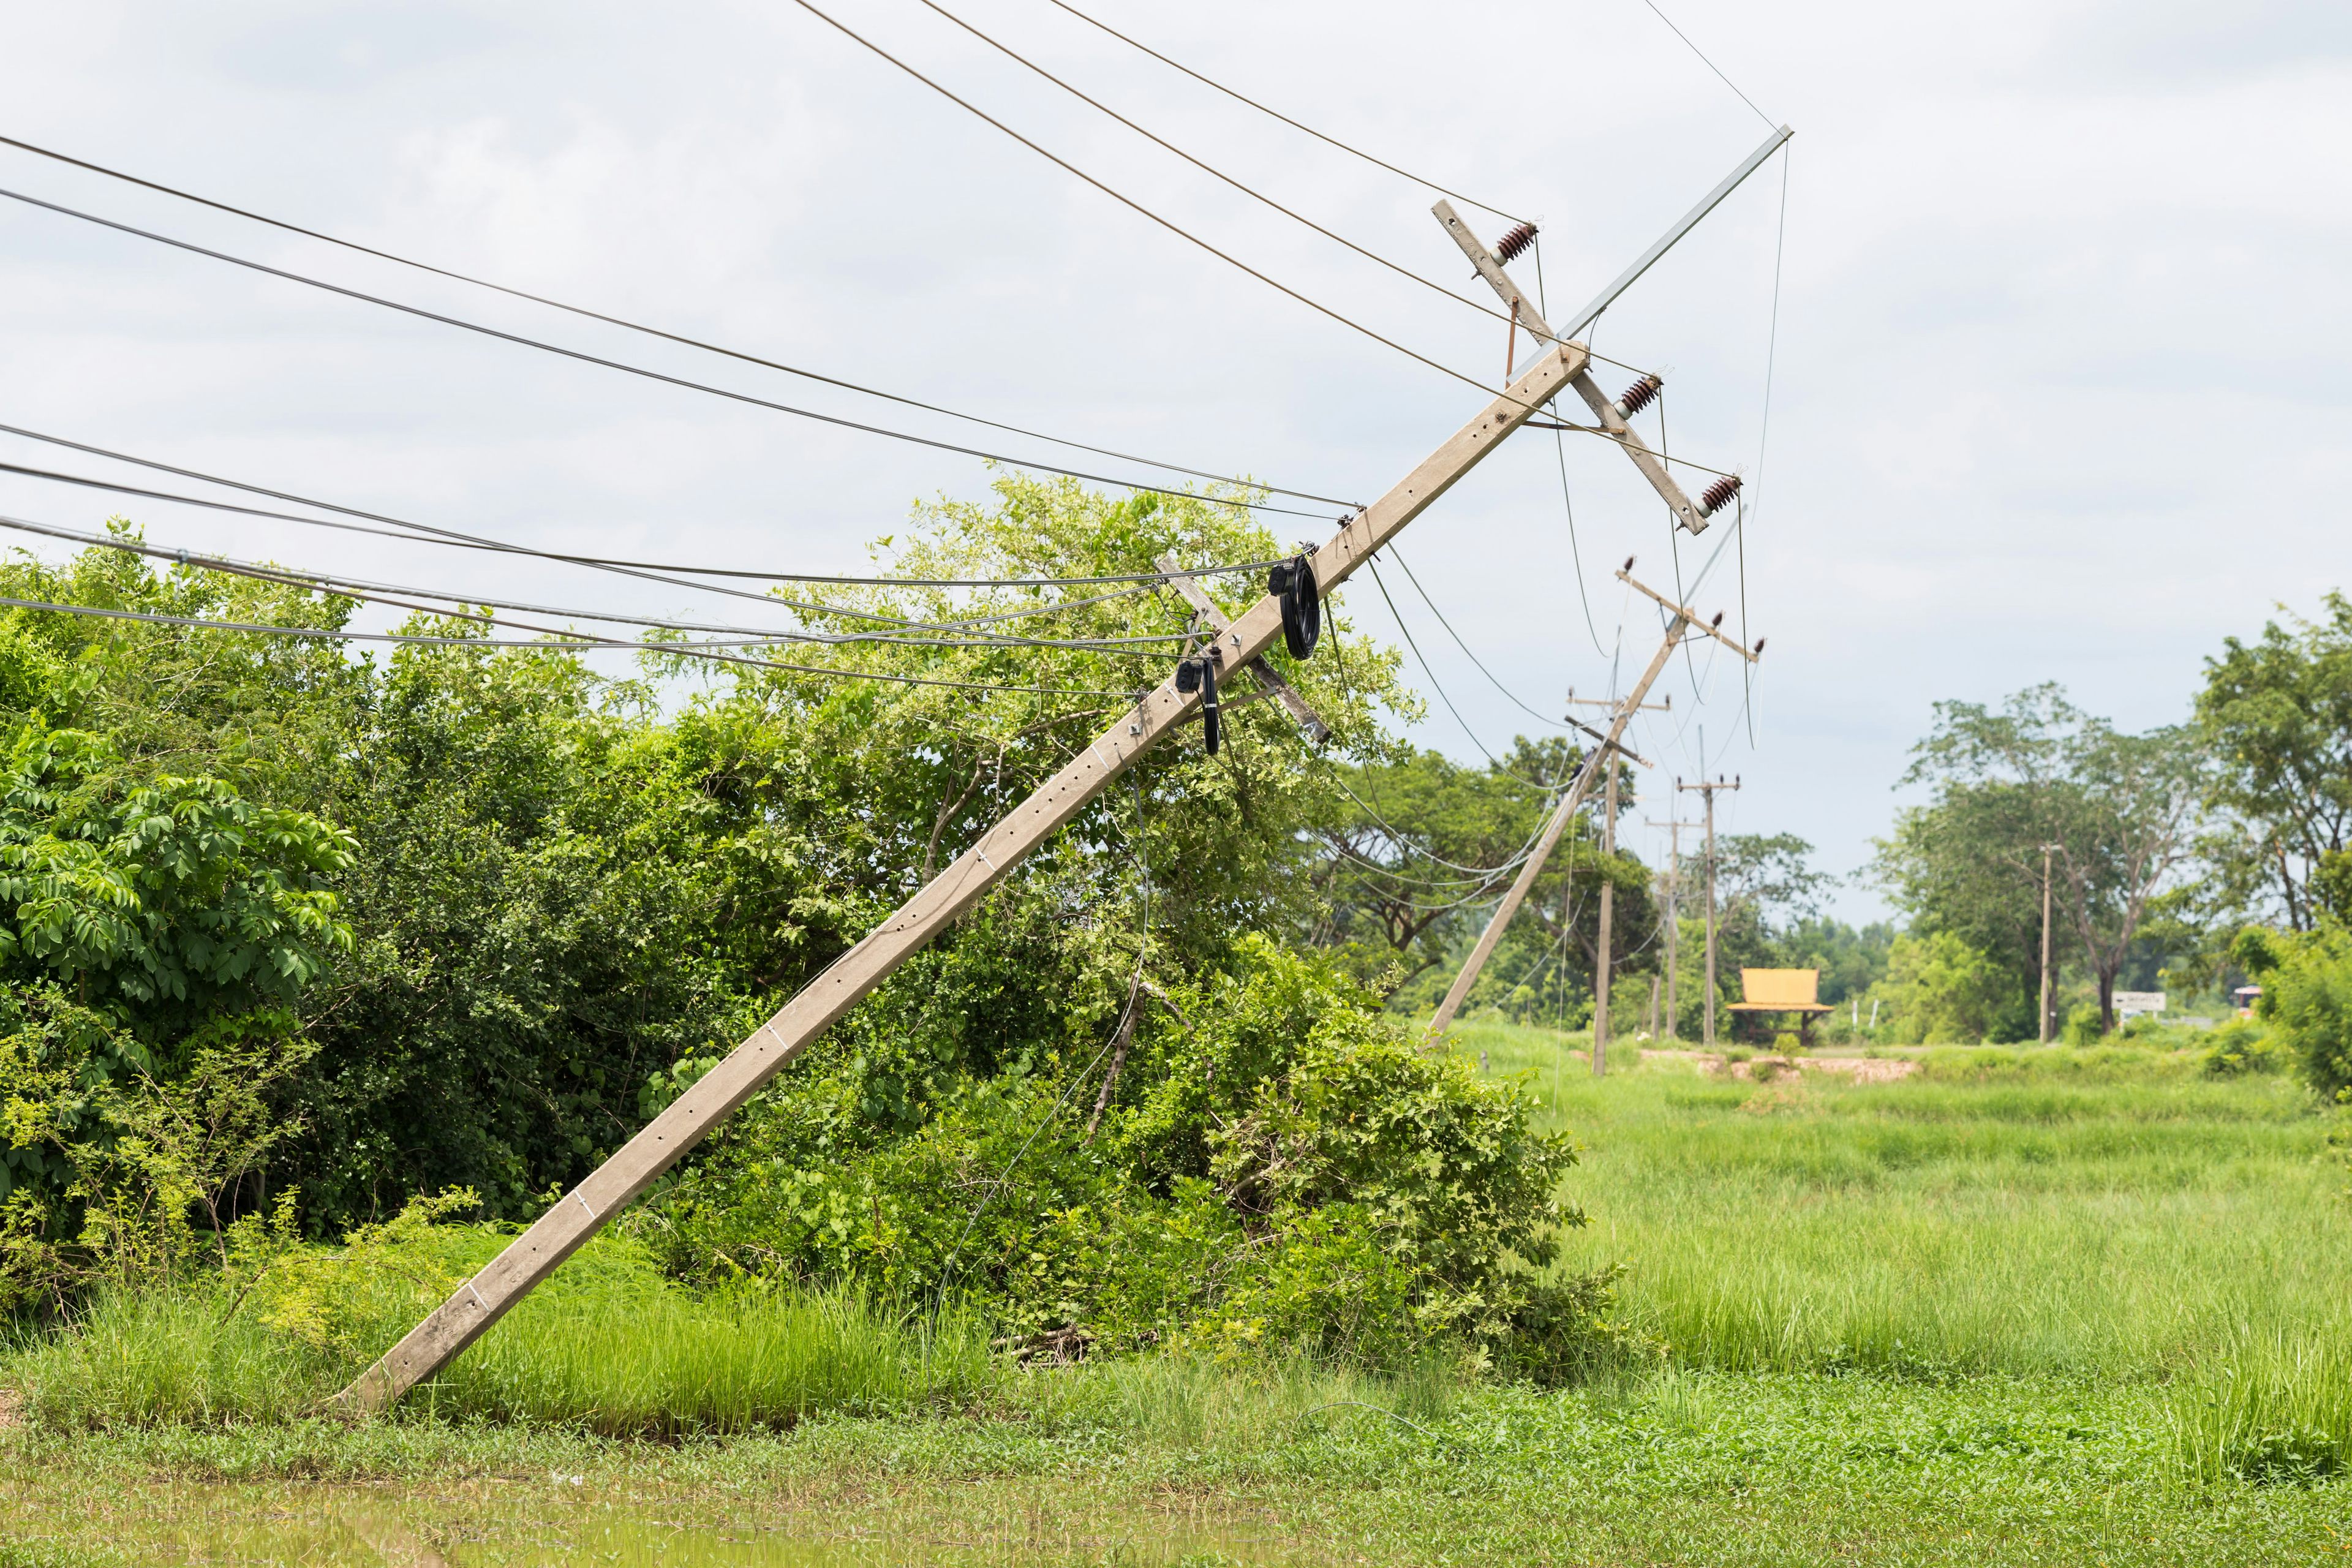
(1507, 249)
(1718, 494)
(1639, 395)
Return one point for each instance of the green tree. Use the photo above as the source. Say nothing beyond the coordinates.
(1939, 991)
(2122, 810)
(2278, 714)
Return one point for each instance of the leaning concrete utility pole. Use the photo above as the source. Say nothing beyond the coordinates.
(485, 1298)
(1681, 624)
(1600, 964)
(1673, 917)
(1708, 791)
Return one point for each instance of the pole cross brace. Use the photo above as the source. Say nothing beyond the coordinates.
(1309, 721)
(1613, 425)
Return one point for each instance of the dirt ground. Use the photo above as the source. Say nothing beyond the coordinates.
(1857, 1069)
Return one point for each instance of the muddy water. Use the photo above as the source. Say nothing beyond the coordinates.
(346, 1528)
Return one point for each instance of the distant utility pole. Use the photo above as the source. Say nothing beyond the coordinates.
(1601, 962)
(1682, 624)
(2047, 850)
(1708, 791)
(1673, 917)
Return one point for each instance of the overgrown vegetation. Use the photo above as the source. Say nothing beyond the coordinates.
(310, 939)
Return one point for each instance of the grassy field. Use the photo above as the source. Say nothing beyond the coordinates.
(2061, 1307)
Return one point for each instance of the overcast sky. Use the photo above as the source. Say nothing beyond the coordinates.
(2062, 336)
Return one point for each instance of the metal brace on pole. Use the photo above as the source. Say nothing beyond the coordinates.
(1680, 623)
(532, 1257)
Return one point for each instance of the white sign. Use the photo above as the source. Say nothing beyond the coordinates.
(2130, 1003)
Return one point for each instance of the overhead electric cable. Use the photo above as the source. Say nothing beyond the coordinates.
(1496, 762)
(679, 381)
(1464, 646)
(681, 650)
(649, 571)
(1134, 206)
(1276, 114)
(1214, 171)
(368, 591)
(627, 325)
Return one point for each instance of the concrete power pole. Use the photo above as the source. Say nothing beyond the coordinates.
(1682, 624)
(2047, 850)
(1708, 792)
(1601, 962)
(1674, 919)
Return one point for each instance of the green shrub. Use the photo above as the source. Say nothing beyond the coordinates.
(2084, 1026)
(1279, 1166)
(2241, 1045)
(2307, 1000)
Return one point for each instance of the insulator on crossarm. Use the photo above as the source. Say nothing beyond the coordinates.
(1507, 249)
(1718, 494)
(1639, 395)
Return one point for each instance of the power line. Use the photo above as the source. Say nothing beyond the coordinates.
(375, 593)
(1464, 646)
(1134, 206)
(678, 650)
(1216, 172)
(1434, 685)
(1294, 125)
(432, 535)
(627, 325)
(679, 381)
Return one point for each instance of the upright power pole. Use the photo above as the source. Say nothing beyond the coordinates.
(1708, 792)
(482, 1299)
(2047, 850)
(1681, 623)
(1608, 900)
(1674, 827)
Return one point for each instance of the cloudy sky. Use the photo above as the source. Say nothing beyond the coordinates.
(2060, 387)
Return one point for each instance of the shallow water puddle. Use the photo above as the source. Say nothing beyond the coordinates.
(342, 1528)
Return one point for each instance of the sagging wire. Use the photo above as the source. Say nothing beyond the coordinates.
(1464, 646)
(1134, 995)
(381, 594)
(1764, 431)
(576, 643)
(626, 325)
(582, 357)
(1559, 450)
(1406, 632)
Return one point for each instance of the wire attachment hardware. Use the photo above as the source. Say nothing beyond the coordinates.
(1200, 674)
(1293, 582)
(1718, 494)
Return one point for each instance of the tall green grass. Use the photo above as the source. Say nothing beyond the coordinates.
(607, 1346)
(2108, 1214)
